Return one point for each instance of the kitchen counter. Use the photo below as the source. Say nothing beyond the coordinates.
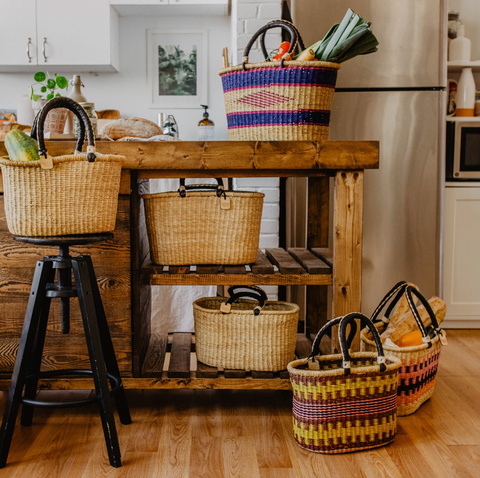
(125, 276)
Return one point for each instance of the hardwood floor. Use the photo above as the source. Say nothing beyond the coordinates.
(222, 433)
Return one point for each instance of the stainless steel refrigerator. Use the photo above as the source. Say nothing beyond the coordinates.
(396, 96)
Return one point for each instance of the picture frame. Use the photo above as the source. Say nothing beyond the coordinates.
(177, 68)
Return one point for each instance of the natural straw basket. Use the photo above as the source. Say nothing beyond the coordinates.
(279, 100)
(344, 403)
(78, 194)
(244, 334)
(203, 227)
(419, 363)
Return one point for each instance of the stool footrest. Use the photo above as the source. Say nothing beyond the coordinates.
(54, 290)
(115, 382)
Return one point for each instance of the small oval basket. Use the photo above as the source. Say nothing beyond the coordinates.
(416, 380)
(343, 402)
(63, 195)
(243, 334)
(279, 100)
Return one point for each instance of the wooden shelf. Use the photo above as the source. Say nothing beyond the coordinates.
(159, 275)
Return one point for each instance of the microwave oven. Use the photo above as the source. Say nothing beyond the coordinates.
(463, 150)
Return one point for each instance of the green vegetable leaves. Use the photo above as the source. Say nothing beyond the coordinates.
(346, 40)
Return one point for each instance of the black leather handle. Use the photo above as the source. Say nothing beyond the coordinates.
(364, 322)
(299, 38)
(252, 292)
(64, 102)
(219, 187)
(80, 139)
(325, 329)
(399, 290)
(251, 288)
(273, 24)
(426, 338)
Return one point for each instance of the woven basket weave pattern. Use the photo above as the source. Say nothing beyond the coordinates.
(268, 102)
(195, 230)
(240, 340)
(417, 374)
(335, 413)
(75, 197)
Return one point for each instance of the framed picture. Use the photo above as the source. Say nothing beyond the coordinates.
(177, 69)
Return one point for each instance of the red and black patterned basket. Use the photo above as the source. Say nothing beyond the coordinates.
(343, 402)
(416, 380)
(279, 100)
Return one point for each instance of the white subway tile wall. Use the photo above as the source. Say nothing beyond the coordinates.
(247, 17)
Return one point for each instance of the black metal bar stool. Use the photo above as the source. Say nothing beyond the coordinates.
(26, 372)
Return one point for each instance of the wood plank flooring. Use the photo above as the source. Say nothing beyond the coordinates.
(242, 433)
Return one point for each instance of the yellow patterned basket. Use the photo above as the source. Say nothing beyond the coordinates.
(342, 402)
(416, 380)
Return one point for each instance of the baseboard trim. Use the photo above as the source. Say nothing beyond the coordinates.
(461, 323)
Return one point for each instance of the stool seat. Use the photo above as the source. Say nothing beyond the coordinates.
(104, 366)
(74, 240)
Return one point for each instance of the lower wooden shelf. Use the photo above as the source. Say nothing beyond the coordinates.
(176, 367)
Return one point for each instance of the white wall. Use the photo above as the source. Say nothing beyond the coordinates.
(127, 89)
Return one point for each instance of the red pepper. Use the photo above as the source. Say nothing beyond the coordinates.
(282, 49)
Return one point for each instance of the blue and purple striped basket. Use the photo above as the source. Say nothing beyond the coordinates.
(273, 103)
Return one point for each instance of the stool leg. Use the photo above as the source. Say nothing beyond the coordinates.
(92, 334)
(36, 357)
(107, 345)
(35, 305)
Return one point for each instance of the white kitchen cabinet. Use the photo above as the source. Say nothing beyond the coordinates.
(461, 276)
(133, 8)
(82, 36)
(18, 32)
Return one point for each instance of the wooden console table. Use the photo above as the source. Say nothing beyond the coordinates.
(125, 274)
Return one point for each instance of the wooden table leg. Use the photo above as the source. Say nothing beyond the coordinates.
(347, 246)
(317, 236)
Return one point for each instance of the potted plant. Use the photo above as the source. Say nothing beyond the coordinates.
(44, 89)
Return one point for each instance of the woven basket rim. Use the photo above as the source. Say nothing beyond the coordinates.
(394, 365)
(175, 194)
(106, 158)
(275, 64)
(294, 307)
(389, 348)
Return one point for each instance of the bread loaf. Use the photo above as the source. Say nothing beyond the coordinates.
(134, 127)
(406, 323)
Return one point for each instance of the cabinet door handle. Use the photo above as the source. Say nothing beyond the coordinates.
(43, 49)
(28, 50)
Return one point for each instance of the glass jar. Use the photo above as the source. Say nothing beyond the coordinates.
(453, 23)
(91, 113)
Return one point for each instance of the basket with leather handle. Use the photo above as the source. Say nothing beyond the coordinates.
(245, 331)
(417, 375)
(345, 402)
(279, 100)
(203, 224)
(63, 195)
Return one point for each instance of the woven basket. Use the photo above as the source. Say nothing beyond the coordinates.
(344, 403)
(417, 375)
(203, 227)
(78, 195)
(245, 334)
(279, 100)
